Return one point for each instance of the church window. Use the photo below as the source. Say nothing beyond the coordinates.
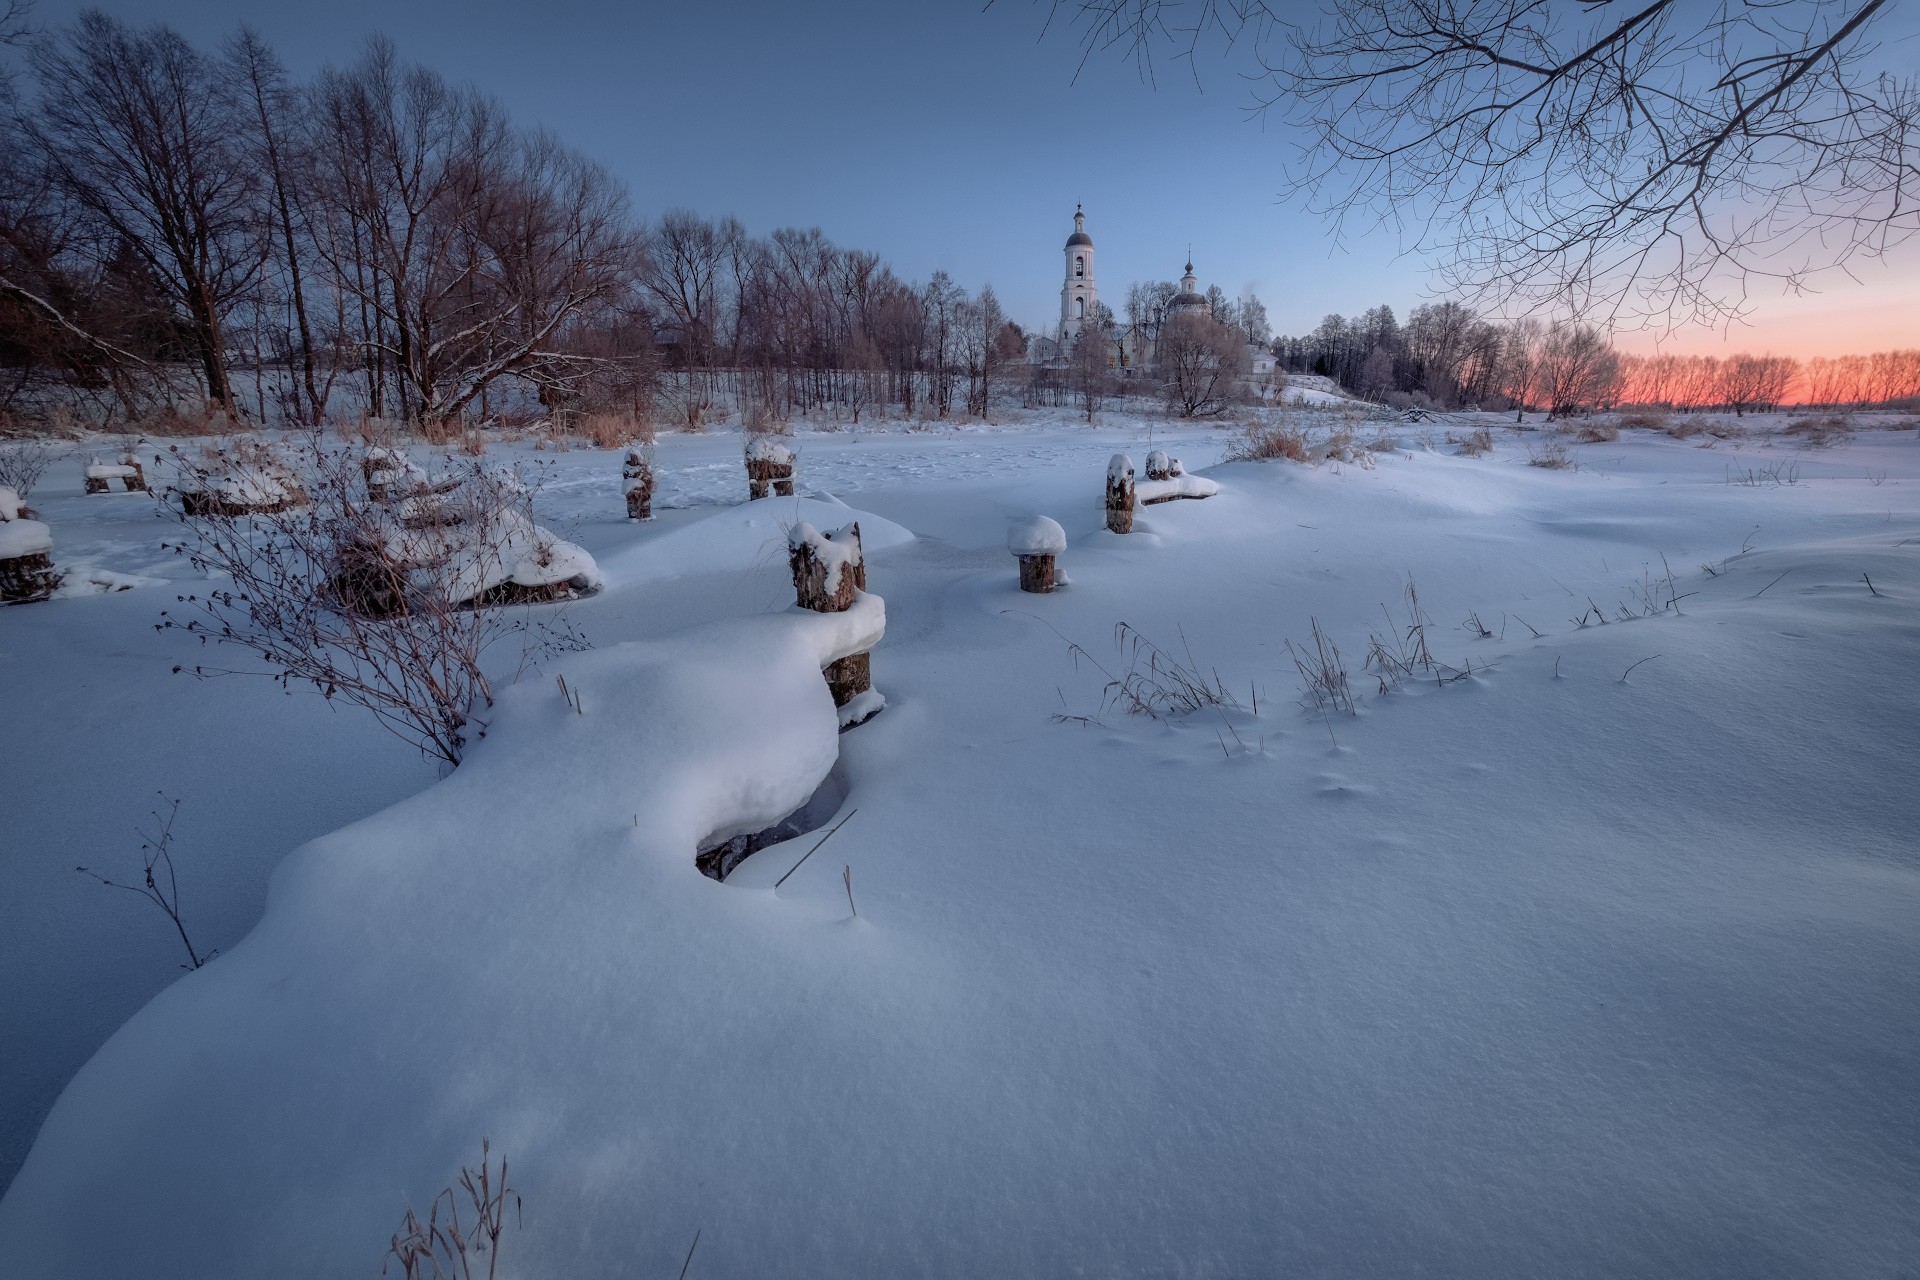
(1079, 265)
(1079, 308)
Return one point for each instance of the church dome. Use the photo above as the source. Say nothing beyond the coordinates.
(1079, 237)
(1189, 300)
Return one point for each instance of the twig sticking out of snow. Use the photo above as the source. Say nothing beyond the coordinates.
(1629, 670)
(816, 846)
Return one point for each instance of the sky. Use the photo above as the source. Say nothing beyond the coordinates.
(943, 136)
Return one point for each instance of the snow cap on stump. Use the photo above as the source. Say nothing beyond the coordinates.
(1120, 468)
(767, 449)
(1036, 536)
(837, 552)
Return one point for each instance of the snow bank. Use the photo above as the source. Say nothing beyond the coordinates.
(24, 538)
(1036, 536)
(511, 928)
(110, 471)
(10, 504)
(744, 537)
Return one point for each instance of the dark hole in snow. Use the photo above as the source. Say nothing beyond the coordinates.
(718, 861)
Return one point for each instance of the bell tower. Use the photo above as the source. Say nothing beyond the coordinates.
(1078, 296)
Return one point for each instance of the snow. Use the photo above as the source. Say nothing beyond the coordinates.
(24, 538)
(1119, 467)
(738, 538)
(110, 471)
(768, 449)
(1036, 536)
(1539, 971)
(10, 504)
(1181, 486)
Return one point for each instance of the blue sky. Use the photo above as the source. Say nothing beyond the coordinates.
(931, 131)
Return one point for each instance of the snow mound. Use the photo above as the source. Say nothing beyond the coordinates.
(743, 537)
(10, 504)
(110, 471)
(1036, 536)
(24, 538)
(582, 880)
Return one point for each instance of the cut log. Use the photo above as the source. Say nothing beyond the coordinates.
(1036, 541)
(829, 572)
(638, 474)
(28, 579)
(769, 468)
(1120, 494)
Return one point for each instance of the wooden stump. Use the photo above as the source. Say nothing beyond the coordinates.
(638, 474)
(765, 475)
(137, 482)
(1120, 494)
(1036, 574)
(28, 579)
(1158, 466)
(97, 484)
(849, 677)
(829, 585)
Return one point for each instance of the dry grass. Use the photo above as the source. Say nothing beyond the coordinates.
(1599, 433)
(1644, 420)
(1261, 442)
(1684, 428)
(443, 1245)
(615, 430)
(1821, 432)
(762, 421)
(1475, 444)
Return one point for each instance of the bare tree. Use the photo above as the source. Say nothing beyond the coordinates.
(1650, 162)
(1200, 359)
(1576, 369)
(1090, 361)
(142, 133)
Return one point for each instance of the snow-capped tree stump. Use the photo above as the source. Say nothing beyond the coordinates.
(638, 473)
(1120, 494)
(100, 476)
(829, 573)
(1161, 467)
(27, 574)
(769, 468)
(1036, 542)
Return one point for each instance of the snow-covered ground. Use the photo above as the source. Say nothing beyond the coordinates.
(1551, 969)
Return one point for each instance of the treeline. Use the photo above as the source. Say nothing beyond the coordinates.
(1446, 356)
(190, 227)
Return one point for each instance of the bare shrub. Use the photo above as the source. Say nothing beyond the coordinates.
(1550, 453)
(1261, 442)
(1684, 428)
(1599, 433)
(22, 465)
(1644, 420)
(446, 1248)
(1383, 444)
(363, 602)
(473, 444)
(1821, 432)
(160, 884)
(1337, 447)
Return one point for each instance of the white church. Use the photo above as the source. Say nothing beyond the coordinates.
(1132, 349)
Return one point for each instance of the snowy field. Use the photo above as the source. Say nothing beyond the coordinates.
(1522, 968)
